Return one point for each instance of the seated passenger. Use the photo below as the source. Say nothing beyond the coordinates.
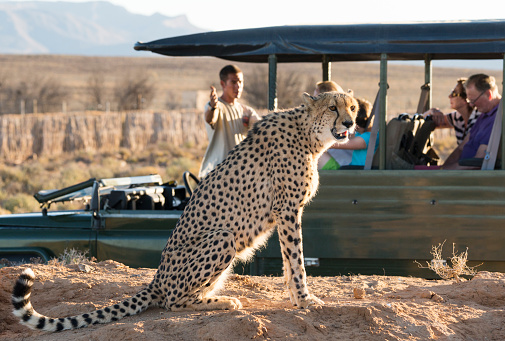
(464, 116)
(359, 141)
(482, 92)
(327, 86)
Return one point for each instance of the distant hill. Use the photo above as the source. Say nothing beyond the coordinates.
(96, 28)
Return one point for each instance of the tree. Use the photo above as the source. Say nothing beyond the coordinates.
(134, 92)
(290, 86)
(50, 94)
(96, 89)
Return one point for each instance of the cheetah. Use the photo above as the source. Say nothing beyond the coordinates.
(264, 183)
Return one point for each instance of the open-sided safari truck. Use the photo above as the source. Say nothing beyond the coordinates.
(378, 220)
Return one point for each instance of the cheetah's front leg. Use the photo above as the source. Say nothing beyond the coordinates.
(290, 237)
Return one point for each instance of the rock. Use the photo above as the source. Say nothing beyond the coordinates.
(359, 293)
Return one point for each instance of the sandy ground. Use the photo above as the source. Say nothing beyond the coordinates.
(393, 308)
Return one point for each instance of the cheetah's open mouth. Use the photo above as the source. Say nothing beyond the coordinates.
(338, 136)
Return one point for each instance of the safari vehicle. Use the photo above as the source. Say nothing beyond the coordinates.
(125, 219)
(375, 220)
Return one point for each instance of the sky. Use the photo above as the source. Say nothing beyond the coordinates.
(215, 15)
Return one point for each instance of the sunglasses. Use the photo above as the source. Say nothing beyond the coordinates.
(455, 94)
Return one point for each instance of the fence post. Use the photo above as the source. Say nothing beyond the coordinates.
(139, 101)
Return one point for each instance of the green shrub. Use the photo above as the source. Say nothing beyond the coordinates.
(9, 174)
(109, 167)
(74, 173)
(178, 166)
(19, 203)
(146, 170)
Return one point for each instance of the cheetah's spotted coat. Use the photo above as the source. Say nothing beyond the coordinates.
(263, 183)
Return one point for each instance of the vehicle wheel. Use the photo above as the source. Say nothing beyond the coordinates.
(185, 178)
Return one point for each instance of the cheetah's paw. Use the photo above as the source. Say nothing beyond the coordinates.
(310, 300)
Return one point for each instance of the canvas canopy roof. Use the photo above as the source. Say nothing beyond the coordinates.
(359, 42)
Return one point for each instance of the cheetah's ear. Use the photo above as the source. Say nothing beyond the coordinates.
(308, 99)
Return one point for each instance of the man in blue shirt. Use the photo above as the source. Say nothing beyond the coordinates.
(482, 92)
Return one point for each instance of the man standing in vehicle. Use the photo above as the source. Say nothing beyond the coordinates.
(226, 120)
(482, 92)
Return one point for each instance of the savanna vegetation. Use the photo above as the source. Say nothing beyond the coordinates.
(19, 182)
(48, 83)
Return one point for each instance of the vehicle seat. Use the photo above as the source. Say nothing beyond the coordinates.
(409, 143)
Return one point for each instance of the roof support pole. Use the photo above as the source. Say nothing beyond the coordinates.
(383, 88)
(427, 77)
(502, 153)
(326, 68)
(272, 82)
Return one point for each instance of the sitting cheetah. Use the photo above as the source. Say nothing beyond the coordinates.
(264, 183)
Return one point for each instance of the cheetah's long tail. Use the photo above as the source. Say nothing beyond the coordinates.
(29, 317)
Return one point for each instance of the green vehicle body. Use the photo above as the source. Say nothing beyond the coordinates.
(368, 221)
(380, 222)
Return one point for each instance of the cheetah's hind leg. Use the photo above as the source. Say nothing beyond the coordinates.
(210, 303)
(212, 269)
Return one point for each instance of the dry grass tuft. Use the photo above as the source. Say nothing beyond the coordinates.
(71, 256)
(458, 262)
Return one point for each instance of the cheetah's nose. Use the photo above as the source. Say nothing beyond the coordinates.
(347, 124)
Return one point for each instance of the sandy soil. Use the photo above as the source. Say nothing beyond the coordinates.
(391, 308)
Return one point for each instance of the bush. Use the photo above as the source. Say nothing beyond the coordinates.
(134, 92)
(458, 265)
(72, 256)
(19, 203)
(109, 167)
(74, 173)
(178, 166)
(147, 170)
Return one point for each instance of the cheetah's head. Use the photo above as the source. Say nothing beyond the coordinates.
(334, 114)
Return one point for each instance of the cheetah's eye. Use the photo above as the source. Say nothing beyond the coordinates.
(333, 108)
(353, 108)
